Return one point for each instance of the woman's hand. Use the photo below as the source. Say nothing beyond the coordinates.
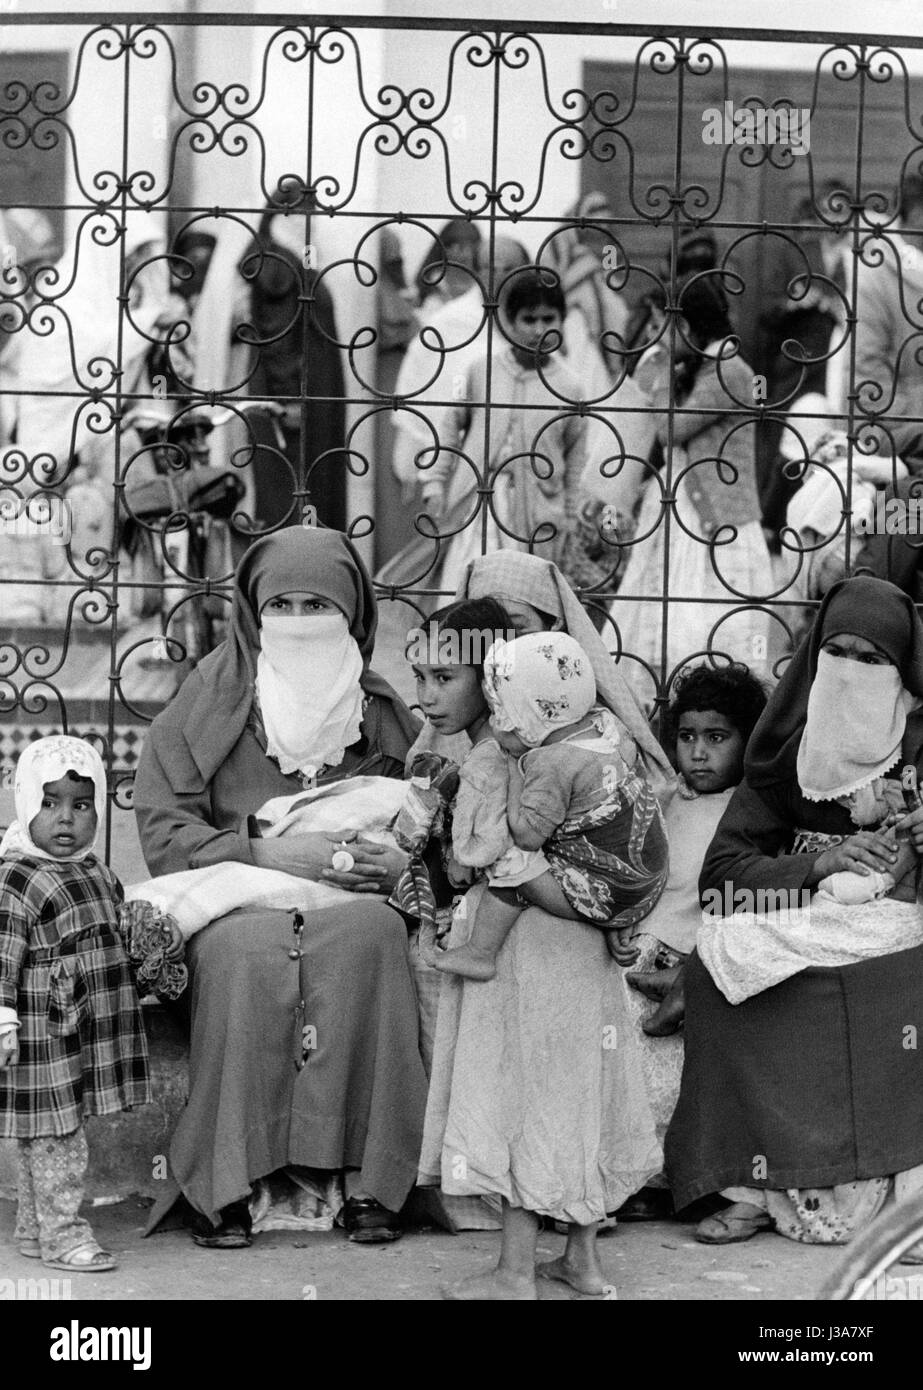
(862, 853)
(377, 868)
(306, 856)
(912, 826)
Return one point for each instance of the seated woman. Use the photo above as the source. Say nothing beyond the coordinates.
(286, 701)
(800, 1100)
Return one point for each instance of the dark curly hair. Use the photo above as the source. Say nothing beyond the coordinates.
(729, 690)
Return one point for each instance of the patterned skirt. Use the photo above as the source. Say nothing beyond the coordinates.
(612, 867)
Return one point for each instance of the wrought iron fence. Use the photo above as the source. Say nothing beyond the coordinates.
(206, 330)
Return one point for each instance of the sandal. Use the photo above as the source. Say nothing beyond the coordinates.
(722, 1229)
(97, 1261)
(30, 1248)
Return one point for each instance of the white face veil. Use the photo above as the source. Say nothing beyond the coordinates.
(854, 728)
(48, 760)
(307, 683)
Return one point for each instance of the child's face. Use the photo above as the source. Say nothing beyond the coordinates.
(450, 696)
(529, 327)
(709, 751)
(66, 822)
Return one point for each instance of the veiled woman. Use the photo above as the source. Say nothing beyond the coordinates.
(801, 1100)
(287, 699)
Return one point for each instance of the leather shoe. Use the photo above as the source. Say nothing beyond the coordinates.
(232, 1231)
(369, 1223)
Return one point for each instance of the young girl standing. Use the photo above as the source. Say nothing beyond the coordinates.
(536, 1097)
(72, 1042)
(531, 457)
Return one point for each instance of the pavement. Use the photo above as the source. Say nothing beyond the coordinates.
(653, 1261)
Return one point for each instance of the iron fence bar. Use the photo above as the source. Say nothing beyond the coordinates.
(438, 23)
(122, 203)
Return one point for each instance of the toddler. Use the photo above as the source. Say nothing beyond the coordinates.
(711, 716)
(581, 832)
(71, 1038)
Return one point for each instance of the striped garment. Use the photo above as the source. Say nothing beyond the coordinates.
(82, 1049)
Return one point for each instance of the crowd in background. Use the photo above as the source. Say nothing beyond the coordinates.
(766, 488)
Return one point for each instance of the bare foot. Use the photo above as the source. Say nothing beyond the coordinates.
(468, 962)
(584, 1280)
(493, 1286)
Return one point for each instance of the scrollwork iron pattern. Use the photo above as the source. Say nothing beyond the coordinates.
(117, 558)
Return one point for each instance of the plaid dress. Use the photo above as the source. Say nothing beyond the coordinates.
(82, 1048)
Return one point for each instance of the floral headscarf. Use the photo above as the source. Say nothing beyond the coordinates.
(539, 683)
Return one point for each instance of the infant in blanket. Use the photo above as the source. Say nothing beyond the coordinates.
(882, 804)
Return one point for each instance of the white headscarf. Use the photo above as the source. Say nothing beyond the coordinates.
(48, 760)
(541, 682)
(855, 727)
(307, 683)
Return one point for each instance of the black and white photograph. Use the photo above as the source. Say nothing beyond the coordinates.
(461, 667)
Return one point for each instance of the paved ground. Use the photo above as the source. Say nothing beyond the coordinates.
(656, 1261)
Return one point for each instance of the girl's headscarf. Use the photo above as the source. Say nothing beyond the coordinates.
(884, 615)
(529, 579)
(541, 682)
(299, 559)
(48, 760)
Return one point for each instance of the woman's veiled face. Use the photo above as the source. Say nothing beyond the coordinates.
(851, 647)
(299, 605)
(524, 617)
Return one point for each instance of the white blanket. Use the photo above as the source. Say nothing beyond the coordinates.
(749, 952)
(196, 897)
(367, 805)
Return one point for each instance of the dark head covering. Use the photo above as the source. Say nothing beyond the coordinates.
(865, 607)
(296, 560)
(305, 560)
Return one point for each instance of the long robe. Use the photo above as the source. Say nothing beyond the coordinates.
(291, 340)
(257, 1102)
(811, 1083)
